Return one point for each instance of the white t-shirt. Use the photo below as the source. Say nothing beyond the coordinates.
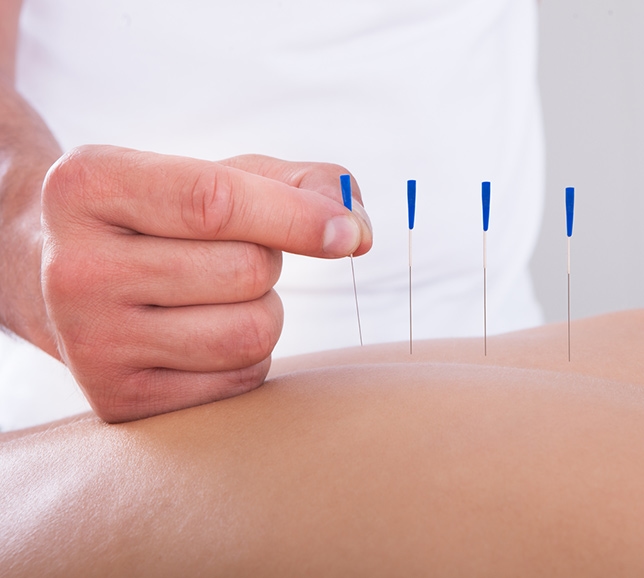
(441, 91)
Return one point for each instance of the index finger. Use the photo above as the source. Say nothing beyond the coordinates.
(168, 196)
(320, 177)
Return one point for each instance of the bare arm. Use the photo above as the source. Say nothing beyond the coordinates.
(27, 150)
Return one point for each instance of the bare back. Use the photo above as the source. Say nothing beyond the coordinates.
(356, 463)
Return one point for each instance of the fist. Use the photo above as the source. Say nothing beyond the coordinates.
(157, 271)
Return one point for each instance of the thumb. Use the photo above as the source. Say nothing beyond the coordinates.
(323, 178)
(176, 197)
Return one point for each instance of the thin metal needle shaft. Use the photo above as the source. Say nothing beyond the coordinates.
(410, 309)
(411, 212)
(485, 292)
(355, 294)
(570, 211)
(485, 199)
(568, 298)
(345, 186)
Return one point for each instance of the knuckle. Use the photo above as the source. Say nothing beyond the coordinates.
(73, 272)
(330, 171)
(117, 389)
(260, 328)
(324, 179)
(258, 269)
(125, 402)
(79, 182)
(334, 170)
(69, 191)
(67, 174)
(240, 381)
(88, 316)
(209, 206)
(61, 276)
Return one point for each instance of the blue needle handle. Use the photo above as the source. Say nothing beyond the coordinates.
(485, 197)
(411, 202)
(345, 185)
(570, 209)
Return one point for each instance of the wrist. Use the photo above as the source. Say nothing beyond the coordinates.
(22, 308)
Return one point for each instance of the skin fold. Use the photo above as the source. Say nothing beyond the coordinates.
(359, 462)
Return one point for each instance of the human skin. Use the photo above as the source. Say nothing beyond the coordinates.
(364, 462)
(152, 272)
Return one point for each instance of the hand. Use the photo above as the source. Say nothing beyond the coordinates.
(157, 271)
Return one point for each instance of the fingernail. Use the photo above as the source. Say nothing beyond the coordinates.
(341, 236)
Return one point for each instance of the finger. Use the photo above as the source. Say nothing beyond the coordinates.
(205, 338)
(320, 177)
(323, 178)
(155, 391)
(143, 270)
(191, 199)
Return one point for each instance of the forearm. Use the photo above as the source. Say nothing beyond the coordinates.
(27, 150)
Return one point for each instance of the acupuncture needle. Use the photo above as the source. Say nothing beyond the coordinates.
(570, 210)
(485, 197)
(411, 212)
(345, 185)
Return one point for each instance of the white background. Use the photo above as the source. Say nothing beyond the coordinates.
(592, 83)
